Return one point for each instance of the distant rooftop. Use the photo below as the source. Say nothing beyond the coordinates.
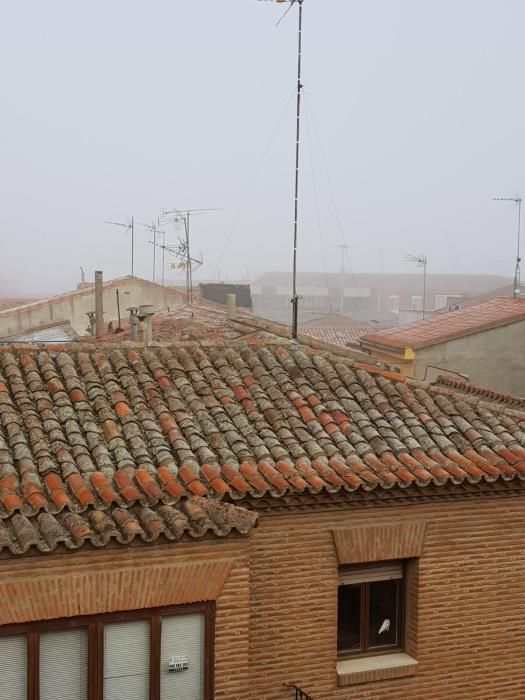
(453, 324)
(459, 284)
(208, 321)
(88, 290)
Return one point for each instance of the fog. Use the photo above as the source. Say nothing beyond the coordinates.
(113, 109)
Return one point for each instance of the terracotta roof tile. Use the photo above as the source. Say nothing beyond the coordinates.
(314, 421)
(446, 326)
(194, 517)
(335, 335)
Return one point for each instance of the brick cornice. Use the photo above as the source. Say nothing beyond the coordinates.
(381, 498)
(355, 545)
(106, 590)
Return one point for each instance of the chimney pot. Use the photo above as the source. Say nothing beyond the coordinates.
(231, 305)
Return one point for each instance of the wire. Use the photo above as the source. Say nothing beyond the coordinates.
(336, 211)
(316, 200)
(252, 182)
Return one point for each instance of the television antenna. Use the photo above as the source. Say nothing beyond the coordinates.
(182, 250)
(420, 261)
(344, 248)
(295, 296)
(517, 281)
(128, 227)
(154, 229)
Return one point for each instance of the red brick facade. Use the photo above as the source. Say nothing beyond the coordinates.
(84, 583)
(276, 596)
(468, 628)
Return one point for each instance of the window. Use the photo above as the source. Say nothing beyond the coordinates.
(370, 609)
(441, 301)
(417, 303)
(143, 655)
(393, 304)
(446, 300)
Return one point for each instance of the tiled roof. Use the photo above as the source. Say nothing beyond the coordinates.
(117, 430)
(198, 321)
(205, 320)
(193, 517)
(456, 384)
(335, 335)
(454, 324)
(59, 331)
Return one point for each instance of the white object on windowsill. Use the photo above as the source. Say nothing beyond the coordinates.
(384, 627)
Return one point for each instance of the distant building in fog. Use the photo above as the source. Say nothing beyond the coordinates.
(364, 293)
(218, 291)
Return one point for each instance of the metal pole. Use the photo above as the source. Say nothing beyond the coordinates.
(188, 260)
(517, 280)
(132, 246)
(118, 308)
(154, 249)
(99, 303)
(295, 298)
(424, 284)
(163, 252)
(343, 249)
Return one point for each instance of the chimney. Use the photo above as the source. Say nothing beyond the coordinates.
(231, 305)
(142, 331)
(145, 315)
(99, 303)
(134, 323)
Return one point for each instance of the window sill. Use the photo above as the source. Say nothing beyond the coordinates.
(375, 668)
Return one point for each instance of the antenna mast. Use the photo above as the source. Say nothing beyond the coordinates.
(344, 248)
(295, 296)
(128, 227)
(183, 250)
(421, 261)
(154, 229)
(517, 271)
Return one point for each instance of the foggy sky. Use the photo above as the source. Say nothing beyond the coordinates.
(124, 107)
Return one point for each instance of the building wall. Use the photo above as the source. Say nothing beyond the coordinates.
(276, 612)
(494, 358)
(75, 306)
(84, 583)
(471, 622)
(219, 291)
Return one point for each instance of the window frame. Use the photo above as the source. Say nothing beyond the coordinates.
(394, 303)
(401, 612)
(95, 629)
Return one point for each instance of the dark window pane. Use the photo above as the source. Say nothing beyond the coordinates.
(383, 613)
(349, 618)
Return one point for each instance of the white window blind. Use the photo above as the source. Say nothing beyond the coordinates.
(63, 664)
(182, 635)
(366, 573)
(13, 667)
(126, 660)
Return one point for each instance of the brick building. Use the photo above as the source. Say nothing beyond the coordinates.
(215, 520)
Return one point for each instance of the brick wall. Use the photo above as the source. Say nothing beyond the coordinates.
(276, 612)
(127, 578)
(471, 623)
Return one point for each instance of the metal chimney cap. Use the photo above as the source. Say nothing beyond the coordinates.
(133, 309)
(146, 310)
